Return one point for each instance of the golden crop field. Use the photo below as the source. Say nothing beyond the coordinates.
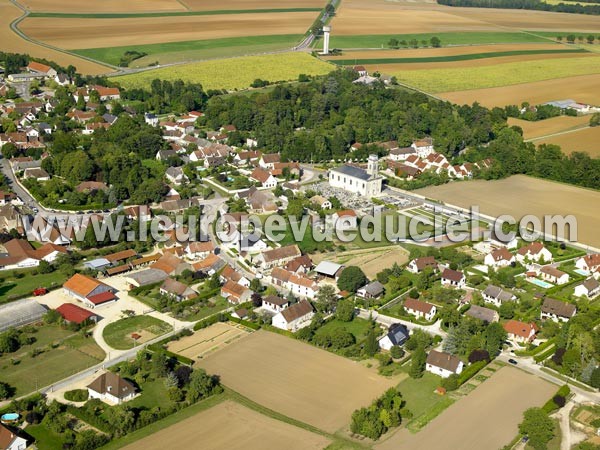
(549, 126)
(586, 140)
(584, 88)
(297, 379)
(459, 79)
(520, 195)
(234, 73)
(216, 5)
(207, 340)
(487, 418)
(101, 33)
(11, 42)
(231, 426)
(104, 6)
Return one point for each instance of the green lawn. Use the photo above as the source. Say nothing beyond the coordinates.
(457, 38)
(208, 309)
(72, 355)
(45, 439)
(152, 395)
(465, 57)
(12, 288)
(358, 327)
(419, 393)
(193, 50)
(118, 334)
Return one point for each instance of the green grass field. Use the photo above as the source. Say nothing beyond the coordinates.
(12, 288)
(73, 354)
(233, 73)
(454, 38)
(171, 52)
(459, 79)
(167, 13)
(118, 334)
(358, 327)
(466, 57)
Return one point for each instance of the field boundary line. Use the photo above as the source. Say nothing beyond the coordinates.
(560, 133)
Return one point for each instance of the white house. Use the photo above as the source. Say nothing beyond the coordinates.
(264, 177)
(589, 263)
(520, 331)
(443, 364)
(110, 387)
(499, 258)
(371, 290)
(10, 441)
(497, 296)
(423, 147)
(345, 220)
(417, 265)
(295, 317)
(419, 308)
(367, 183)
(396, 335)
(321, 202)
(302, 287)
(534, 252)
(553, 275)
(275, 303)
(453, 278)
(589, 288)
(176, 175)
(557, 311)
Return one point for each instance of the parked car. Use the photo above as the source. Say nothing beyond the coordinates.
(40, 291)
(513, 362)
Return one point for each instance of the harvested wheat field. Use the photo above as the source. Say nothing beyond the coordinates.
(586, 140)
(520, 195)
(216, 5)
(487, 418)
(101, 33)
(370, 260)
(11, 42)
(104, 6)
(207, 340)
(230, 426)
(296, 379)
(549, 126)
(584, 89)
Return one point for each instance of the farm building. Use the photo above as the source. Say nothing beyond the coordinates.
(329, 269)
(90, 291)
(145, 278)
(443, 364)
(76, 314)
(97, 264)
(19, 313)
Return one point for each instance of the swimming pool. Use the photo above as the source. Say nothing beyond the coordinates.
(540, 283)
(585, 273)
(10, 417)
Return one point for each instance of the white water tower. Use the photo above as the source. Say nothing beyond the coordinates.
(326, 31)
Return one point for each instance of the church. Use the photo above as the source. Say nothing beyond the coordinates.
(367, 183)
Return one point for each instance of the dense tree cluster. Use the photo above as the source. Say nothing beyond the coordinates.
(378, 418)
(537, 5)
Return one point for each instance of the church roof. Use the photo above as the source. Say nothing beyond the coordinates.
(352, 171)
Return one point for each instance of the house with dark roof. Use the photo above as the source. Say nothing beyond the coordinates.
(277, 256)
(274, 303)
(497, 296)
(443, 364)
(484, 314)
(295, 317)
(372, 290)
(397, 335)
(557, 311)
(111, 388)
(589, 288)
(177, 290)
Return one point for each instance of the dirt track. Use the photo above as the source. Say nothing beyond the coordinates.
(231, 426)
(549, 126)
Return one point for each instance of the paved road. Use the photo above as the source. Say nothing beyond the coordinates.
(388, 320)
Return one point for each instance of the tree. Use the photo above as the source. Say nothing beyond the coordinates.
(538, 427)
(351, 279)
(45, 267)
(344, 311)
(371, 345)
(450, 383)
(393, 43)
(397, 352)
(494, 335)
(595, 378)
(595, 120)
(256, 299)
(5, 391)
(571, 38)
(255, 285)
(9, 150)
(417, 366)
(326, 297)
(52, 316)
(171, 381)
(591, 38)
(435, 42)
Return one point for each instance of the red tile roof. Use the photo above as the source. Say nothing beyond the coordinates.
(103, 297)
(74, 313)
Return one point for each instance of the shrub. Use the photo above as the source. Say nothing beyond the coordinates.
(397, 352)
(450, 383)
(479, 355)
(77, 395)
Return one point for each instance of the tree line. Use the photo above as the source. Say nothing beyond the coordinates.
(536, 5)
